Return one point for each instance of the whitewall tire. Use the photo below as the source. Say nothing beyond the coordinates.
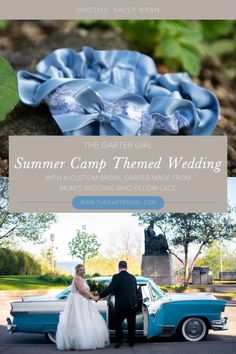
(194, 329)
(51, 337)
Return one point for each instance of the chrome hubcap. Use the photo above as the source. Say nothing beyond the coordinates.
(193, 329)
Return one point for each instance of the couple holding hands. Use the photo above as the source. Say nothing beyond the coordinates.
(82, 327)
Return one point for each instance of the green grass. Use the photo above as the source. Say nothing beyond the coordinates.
(32, 282)
(225, 282)
(26, 282)
(173, 288)
(199, 288)
(226, 296)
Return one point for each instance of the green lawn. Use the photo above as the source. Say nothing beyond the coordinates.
(226, 296)
(25, 282)
(200, 288)
(31, 282)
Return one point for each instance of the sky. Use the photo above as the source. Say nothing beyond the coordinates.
(232, 190)
(107, 226)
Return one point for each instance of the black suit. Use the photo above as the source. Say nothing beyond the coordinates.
(124, 287)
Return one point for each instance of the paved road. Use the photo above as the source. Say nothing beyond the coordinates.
(216, 342)
(140, 348)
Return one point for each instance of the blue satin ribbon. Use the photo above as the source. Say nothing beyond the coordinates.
(94, 110)
(172, 102)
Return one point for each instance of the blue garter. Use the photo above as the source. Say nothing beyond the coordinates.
(117, 92)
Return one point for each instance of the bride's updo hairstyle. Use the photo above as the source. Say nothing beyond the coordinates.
(77, 267)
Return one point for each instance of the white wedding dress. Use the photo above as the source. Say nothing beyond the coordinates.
(80, 325)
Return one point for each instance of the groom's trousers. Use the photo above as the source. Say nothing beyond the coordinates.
(120, 316)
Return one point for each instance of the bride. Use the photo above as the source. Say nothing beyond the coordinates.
(80, 325)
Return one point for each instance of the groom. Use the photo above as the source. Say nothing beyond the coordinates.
(124, 287)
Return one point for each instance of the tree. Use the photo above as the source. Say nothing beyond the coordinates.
(107, 265)
(16, 262)
(213, 255)
(23, 226)
(84, 245)
(127, 244)
(46, 260)
(183, 230)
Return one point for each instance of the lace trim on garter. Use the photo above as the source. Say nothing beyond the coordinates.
(63, 102)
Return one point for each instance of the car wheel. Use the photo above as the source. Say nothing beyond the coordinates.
(51, 337)
(194, 329)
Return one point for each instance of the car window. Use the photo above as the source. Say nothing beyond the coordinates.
(156, 292)
(146, 293)
(64, 294)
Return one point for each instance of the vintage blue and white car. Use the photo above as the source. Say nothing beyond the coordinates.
(158, 313)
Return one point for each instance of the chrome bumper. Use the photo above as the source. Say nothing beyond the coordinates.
(220, 325)
(10, 327)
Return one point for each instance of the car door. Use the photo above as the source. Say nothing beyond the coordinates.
(102, 308)
(153, 313)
